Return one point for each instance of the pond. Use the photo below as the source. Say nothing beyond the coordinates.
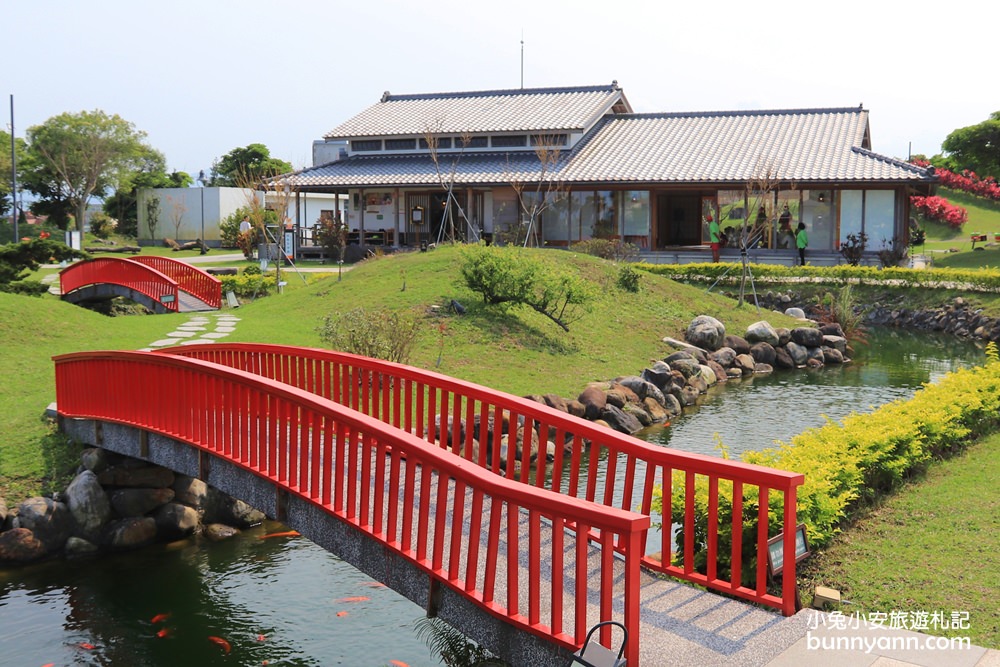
(286, 601)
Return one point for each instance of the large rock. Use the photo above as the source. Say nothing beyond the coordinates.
(686, 366)
(220, 508)
(672, 405)
(619, 395)
(147, 476)
(782, 359)
(216, 532)
(77, 547)
(643, 388)
(657, 412)
(594, 399)
(795, 312)
(698, 382)
(191, 491)
(175, 520)
(798, 353)
(784, 335)
(739, 344)
(745, 363)
(838, 343)
(658, 375)
(619, 420)
(708, 375)
(639, 412)
(724, 356)
(832, 329)
(705, 332)
(807, 336)
(139, 501)
(762, 332)
(20, 545)
(95, 459)
(88, 503)
(50, 521)
(720, 372)
(763, 353)
(131, 533)
(689, 396)
(556, 402)
(832, 355)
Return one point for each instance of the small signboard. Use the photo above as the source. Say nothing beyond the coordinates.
(776, 552)
(167, 298)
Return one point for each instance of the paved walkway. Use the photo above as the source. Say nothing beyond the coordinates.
(198, 330)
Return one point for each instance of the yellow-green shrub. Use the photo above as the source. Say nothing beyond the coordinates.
(847, 463)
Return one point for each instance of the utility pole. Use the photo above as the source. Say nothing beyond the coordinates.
(13, 173)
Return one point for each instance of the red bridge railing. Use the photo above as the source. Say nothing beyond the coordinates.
(193, 280)
(125, 272)
(423, 502)
(590, 462)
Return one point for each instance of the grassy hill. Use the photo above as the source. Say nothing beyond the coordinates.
(943, 241)
(518, 351)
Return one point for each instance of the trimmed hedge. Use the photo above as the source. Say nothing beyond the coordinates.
(976, 280)
(851, 463)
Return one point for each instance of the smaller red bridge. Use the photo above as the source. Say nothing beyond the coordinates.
(162, 284)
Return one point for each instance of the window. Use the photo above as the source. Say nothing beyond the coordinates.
(549, 140)
(442, 143)
(851, 213)
(366, 145)
(510, 141)
(635, 213)
(400, 144)
(880, 217)
(474, 142)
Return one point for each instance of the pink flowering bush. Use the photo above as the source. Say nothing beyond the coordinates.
(941, 210)
(967, 181)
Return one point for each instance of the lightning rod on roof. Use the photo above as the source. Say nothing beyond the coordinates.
(522, 58)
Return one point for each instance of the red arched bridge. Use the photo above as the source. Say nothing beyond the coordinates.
(403, 472)
(161, 284)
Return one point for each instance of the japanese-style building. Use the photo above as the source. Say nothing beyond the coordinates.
(417, 168)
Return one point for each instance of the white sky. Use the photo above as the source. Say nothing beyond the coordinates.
(202, 77)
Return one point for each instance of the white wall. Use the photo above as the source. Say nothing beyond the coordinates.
(198, 210)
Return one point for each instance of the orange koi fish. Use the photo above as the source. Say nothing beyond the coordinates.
(398, 663)
(87, 647)
(341, 613)
(373, 584)
(287, 533)
(49, 664)
(163, 633)
(262, 638)
(356, 598)
(159, 618)
(221, 642)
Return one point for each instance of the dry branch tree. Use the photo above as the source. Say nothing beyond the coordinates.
(446, 178)
(267, 200)
(177, 210)
(535, 194)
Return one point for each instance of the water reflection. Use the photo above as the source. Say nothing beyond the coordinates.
(756, 412)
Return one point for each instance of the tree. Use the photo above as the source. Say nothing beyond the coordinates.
(533, 198)
(177, 211)
(976, 147)
(152, 173)
(78, 155)
(253, 163)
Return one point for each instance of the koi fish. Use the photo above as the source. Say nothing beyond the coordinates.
(261, 638)
(356, 598)
(159, 618)
(341, 613)
(163, 633)
(373, 584)
(398, 663)
(221, 642)
(87, 647)
(49, 664)
(287, 533)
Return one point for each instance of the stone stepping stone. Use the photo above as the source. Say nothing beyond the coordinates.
(181, 334)
(214, 336)
(145, 349)
(196, 341)
(163, 342)
(227, 330)
(225, 318)
(191, 327)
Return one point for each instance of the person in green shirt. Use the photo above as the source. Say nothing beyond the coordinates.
(714, 237)
(801, 242)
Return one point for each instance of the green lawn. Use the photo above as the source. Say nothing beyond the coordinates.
(953, 248)
(933, 546)
(518, 351)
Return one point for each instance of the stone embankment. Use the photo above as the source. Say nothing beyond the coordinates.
(957, 317)
(707, 355)
(116, 503)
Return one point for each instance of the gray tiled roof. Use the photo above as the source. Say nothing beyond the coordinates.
(805, 145)
(519, 110)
